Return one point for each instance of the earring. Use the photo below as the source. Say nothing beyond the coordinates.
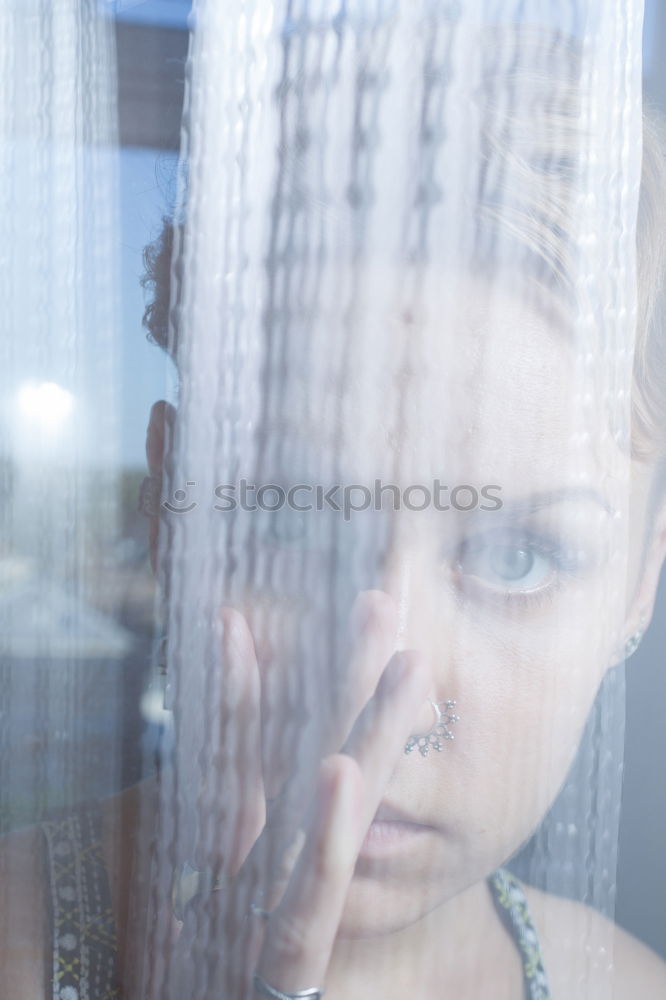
(438, 733)
(634, 641)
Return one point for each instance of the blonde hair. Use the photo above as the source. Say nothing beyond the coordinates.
(534, 215)
(533, 131)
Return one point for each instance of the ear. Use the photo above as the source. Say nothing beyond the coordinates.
(158, 443)
(642, 606)
(158, 436)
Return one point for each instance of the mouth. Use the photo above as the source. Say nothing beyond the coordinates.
(392, 830)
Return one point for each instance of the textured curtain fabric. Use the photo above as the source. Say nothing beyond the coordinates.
(381, 207)
(403, 301)
(60, 651)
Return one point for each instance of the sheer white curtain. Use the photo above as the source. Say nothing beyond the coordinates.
(61, 648)
(404, 253)
(356, 176)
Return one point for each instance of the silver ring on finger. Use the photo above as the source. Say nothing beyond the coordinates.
(265, 990)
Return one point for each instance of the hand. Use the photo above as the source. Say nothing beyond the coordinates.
(301, 931)
(308, 889)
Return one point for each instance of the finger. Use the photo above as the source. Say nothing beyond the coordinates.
(233, 795)
(374, 623)
(381, 730)
(302, 929)
(375, 628)
(244, 726)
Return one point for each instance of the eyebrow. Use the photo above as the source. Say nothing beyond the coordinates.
(547, 498)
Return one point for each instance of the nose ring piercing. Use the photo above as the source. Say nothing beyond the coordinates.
(435, 737)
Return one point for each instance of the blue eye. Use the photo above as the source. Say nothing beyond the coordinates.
(513, 563)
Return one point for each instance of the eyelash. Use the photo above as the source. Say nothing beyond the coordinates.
(535, 598)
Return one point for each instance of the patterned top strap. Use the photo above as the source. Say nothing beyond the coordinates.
(84, 947)
(512, 906)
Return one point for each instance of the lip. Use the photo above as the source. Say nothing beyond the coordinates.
(391, 831)
(391, 814)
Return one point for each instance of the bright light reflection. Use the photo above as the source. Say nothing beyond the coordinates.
(45, 403)
(153, 710)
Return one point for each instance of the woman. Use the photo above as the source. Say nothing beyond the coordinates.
(374, 867)
(389, 893)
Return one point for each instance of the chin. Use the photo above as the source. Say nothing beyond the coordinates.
(377, 907)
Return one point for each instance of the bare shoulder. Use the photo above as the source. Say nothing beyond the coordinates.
(588, 956)
(23, 923)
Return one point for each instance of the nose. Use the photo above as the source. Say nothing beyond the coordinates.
(398, 575)
(426, 611)
(398, 578)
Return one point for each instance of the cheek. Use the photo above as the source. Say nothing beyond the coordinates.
(524, 691)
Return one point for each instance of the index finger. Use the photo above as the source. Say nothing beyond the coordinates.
(301, 931)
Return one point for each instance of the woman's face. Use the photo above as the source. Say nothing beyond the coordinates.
(519, 610)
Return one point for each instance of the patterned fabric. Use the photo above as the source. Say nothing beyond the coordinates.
(511, 903)
(84, 948)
